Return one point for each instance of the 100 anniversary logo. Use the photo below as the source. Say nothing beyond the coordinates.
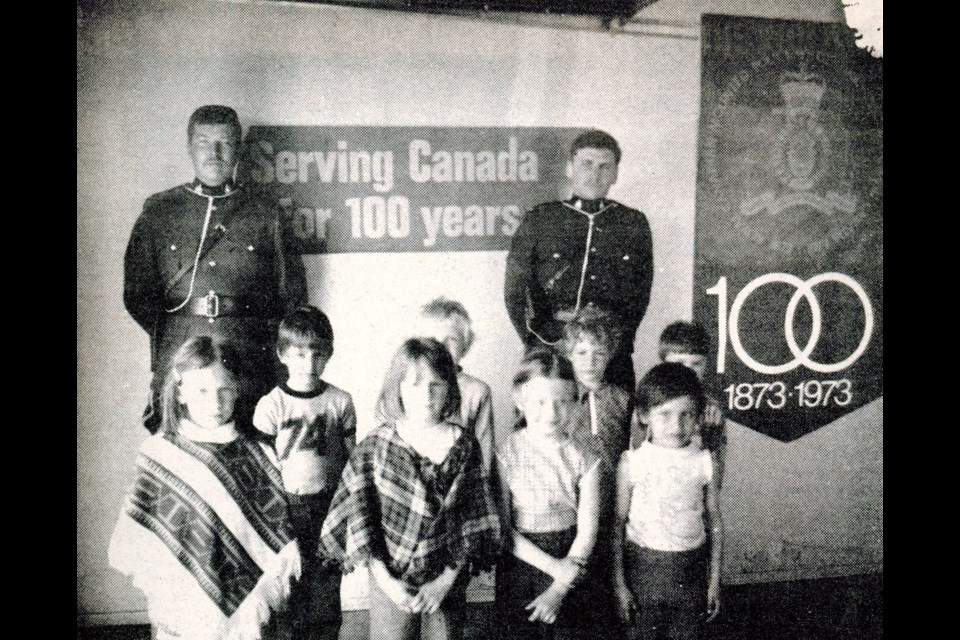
(788, 275)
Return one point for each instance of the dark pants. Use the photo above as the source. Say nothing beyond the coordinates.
(388, 622)
(315, 598)
(670, 589)
(519, 583)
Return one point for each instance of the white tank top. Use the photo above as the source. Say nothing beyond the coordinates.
(667, 496)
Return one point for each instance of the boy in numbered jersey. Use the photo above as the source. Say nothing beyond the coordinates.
(314, 425)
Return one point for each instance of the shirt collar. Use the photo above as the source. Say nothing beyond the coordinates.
(306, 395)
(588, 206)
(201, 189)
(583, 393)
(221, 435)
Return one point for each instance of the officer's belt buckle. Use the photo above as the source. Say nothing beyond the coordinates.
(212, 301)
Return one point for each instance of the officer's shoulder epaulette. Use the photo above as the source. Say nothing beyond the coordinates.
(624, 207)
(545, 207)
(173, 194)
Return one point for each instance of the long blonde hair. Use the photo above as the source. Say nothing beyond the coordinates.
(196, 353)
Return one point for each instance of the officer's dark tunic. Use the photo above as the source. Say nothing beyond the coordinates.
(568, 255)
(252, 275)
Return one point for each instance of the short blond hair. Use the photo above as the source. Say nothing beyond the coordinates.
(443, 308)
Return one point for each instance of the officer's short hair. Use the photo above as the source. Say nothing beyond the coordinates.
(684, 337)
(595, 139)
(214, 114)
(596, 323)
(306, 325)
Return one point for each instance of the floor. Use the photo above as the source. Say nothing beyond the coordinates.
(836, 608)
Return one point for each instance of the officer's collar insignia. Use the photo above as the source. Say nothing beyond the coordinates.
(201, 189)
(588, 207)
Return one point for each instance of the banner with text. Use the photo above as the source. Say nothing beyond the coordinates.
(401, 189)
(789, 245)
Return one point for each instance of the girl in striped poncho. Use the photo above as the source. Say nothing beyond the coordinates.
(204, 532)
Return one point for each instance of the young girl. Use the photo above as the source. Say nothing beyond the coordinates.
(204, 531)
(413, 504)
(448, 322)
(667, 574)
(550, 476)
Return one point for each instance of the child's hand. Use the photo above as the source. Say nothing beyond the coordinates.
(546, 606)
(626, 605)
(395, 590)
(431, 595)
(713, 601)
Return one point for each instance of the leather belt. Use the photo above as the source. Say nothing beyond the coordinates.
(213, 306)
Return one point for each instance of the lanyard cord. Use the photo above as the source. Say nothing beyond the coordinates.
(586, 248)
(583, 268)
(196, 260)
(586, 261)
(593, 412)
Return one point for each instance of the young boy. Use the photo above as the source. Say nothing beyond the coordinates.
(314, 424)
(687, 343)
(448, 322)
(591, 339)
(668, 532)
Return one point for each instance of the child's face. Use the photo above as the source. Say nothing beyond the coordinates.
(589, 359)
(545, 403)
(209, 395)
(695, 361)
(450, 332)
(673, 423)
(305, 363)
(423, 393)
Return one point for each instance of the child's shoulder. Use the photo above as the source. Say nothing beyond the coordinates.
(335, 394)
(377, 440)
(511, 443)
(274, 395)
(617, 392)
(584, 447)
(469, 383)
(617, 398)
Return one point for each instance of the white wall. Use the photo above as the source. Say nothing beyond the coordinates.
(143, 67)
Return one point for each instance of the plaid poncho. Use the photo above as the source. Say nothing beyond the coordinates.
(204, 534)
(417, 517)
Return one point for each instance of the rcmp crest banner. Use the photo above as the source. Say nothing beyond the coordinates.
(789, 246)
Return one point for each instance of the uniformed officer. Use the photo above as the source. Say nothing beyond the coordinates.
(585, 251)
(208, 257)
